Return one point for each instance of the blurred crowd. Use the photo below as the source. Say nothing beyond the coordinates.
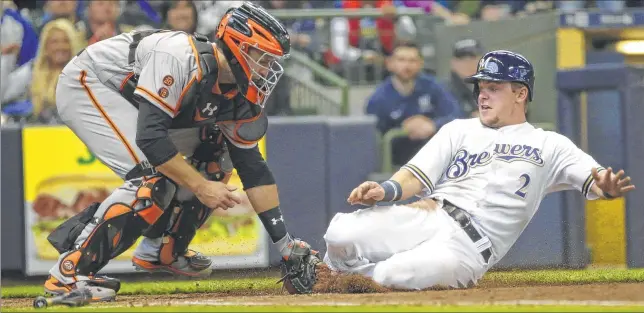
(40, 37)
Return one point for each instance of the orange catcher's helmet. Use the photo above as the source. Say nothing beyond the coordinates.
(254, 43)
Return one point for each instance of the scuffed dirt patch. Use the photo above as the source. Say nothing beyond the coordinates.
(591, 293)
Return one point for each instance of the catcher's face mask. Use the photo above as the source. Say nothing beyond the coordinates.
(254, 43)
(264, 68)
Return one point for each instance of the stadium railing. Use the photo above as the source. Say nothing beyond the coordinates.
(324, 89)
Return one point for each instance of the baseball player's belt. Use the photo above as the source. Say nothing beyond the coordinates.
(461, 217)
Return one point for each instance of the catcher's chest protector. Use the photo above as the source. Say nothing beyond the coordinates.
(208, 102)
(205, 101)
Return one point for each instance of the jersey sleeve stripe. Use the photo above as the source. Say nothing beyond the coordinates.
(156, 98)
(589, 182)
(420, 175)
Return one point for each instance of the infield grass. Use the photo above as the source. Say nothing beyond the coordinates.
(509, 278)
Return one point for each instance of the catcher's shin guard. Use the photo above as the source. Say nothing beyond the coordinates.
(118, 228)
(174, 255)
(177, 227)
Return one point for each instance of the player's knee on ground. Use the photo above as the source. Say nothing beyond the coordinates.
(413, 270)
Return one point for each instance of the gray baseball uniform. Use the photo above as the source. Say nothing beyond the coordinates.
(90, 102)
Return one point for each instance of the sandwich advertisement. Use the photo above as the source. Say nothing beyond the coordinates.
(62, 177)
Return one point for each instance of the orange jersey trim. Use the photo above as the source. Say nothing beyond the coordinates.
(101, 110)
(157, 99)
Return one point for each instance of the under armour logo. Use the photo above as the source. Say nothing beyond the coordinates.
(275, 220)
(210, 110)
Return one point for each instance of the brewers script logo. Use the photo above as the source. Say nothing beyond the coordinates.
(463, 161)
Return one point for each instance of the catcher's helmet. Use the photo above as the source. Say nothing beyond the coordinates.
(504, 66)
(251, 27)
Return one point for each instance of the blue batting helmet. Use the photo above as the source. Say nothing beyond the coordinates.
(504, 66)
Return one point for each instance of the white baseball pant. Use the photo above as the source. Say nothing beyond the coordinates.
(403, 247)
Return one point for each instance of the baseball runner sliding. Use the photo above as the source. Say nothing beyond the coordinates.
(481, 181)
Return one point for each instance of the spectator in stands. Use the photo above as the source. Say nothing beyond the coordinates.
(465, 56)
(359, 45)
(55, 9)
(18, 46)
(140, 14)
(180, 15)
(58, 44)
(443, 8)
(210, 14)
(413, 101)
(101, 21)
(302, 31)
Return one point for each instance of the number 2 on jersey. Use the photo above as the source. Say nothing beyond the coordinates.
(525, 178)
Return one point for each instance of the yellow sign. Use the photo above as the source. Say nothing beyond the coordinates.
(62, 177)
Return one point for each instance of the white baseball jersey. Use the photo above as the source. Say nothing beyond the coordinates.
(500, 175)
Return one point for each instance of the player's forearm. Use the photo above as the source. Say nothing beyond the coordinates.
(408, 182)
(182, 173)
(263, 198)
(152, 138)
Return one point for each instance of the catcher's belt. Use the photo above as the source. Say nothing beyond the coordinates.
(463, 219)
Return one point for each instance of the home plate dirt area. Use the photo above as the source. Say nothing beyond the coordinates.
(603, 294)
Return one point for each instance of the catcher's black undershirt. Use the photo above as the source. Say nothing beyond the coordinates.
(153, 140)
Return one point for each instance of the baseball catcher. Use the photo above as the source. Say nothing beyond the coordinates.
(172, 114)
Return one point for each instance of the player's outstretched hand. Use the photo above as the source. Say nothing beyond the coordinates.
(216, 195)
(612, 184)
(368, 193)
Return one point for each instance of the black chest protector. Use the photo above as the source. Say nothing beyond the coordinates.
(203, 103)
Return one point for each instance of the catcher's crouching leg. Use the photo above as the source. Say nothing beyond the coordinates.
(300, 268)
(110, 232)
(176, 229)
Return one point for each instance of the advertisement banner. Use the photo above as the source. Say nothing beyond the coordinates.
(61, 178)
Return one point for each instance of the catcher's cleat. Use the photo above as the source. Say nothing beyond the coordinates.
(298, 268)
(102, 288)
(191, 264)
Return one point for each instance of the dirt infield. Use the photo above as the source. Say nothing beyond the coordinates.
(607, 294)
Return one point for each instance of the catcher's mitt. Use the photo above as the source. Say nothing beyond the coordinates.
(298, 269)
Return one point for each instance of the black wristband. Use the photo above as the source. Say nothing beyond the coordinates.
(607, 195)
(393, 190)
